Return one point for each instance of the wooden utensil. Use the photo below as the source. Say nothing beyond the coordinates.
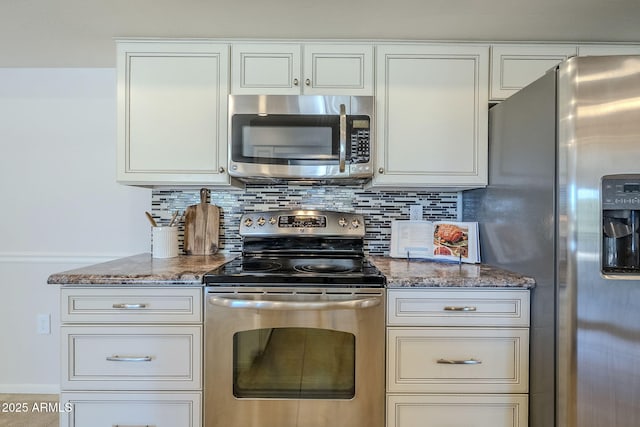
(201, 227)
(151, 220)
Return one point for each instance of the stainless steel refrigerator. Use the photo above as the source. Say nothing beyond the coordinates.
(563, 206)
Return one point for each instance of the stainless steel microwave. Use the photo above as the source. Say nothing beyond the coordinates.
(300, 138)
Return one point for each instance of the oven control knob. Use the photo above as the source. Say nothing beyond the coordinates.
(248, 222)
(261, 221)
(272, 220)
(355, 223)
(342, 222)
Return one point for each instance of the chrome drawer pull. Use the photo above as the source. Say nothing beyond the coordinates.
(130, 306)
(131, 425)
(459, 362)
(116, 358)
(454, 308)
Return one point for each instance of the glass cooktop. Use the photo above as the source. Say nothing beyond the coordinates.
(300, 270)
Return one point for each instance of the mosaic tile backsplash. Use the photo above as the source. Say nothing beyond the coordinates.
(379, 208)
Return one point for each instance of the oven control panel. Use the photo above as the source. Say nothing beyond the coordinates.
(302, 222)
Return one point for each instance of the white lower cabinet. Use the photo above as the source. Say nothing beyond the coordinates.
(457, 358)
(125, 409)
(454, 360)
(460, 410)
(131, 357)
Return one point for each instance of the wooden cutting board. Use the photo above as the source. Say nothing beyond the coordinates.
(201, 227)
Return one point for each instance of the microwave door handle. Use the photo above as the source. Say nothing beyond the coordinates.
(343, 137)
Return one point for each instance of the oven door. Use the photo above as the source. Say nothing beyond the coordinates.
(294, 358)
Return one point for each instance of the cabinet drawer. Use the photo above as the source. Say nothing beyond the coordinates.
(456, 307)
(131, 358)
(131, 409)
(127, 305)
(457, 360)
(457, 410)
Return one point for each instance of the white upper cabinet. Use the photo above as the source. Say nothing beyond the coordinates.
(265, 68)
(608, 49)
(432, 113)
(294, 69)
(172, 113)
(515, 66)
(338, 69)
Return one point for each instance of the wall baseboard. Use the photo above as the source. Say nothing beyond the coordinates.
(30, 388)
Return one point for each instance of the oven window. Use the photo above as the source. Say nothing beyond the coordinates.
(301, 363)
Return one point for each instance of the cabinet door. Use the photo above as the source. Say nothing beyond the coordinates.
(457, 410)
(458, 307)
(172, 113)
(608, 49)
(131, 305)
(432, 113)
(338, 69)
(458, 360)
(131, 357)
(258, 69)
(515, 66)
(126, 409)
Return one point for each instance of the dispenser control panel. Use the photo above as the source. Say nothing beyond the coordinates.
(620, 250)
(621, 192)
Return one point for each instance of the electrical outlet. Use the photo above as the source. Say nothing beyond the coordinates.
(44, 324)
(415, 212)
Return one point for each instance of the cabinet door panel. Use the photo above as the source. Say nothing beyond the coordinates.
(338, 69)
(608, 49)
(457, 411)
(432, 116)
(131, 409)
(265, 69)
(458, 307)
(458, 360)
(515, 66)
(131, 357)
(126, 305)
(184, 95)
(172, 107)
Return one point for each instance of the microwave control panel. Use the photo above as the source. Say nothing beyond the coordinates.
(359, 127)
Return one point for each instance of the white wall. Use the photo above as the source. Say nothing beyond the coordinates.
(60, 206)
(39, 33)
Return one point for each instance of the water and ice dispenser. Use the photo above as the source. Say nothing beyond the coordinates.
(621, 224)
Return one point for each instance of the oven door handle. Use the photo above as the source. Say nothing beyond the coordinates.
(358, 303)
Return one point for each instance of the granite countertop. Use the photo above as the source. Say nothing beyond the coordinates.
(402, 273)
(142, 270)
(188, 270)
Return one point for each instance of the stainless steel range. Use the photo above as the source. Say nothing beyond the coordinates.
(294, 331)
